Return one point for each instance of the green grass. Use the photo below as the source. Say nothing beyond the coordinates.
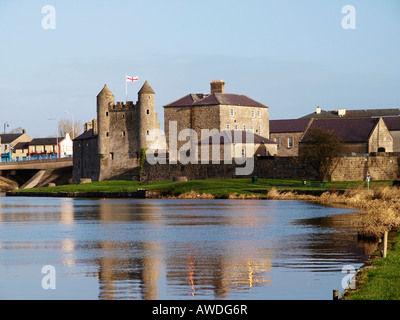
(382, 282)
(216, 187)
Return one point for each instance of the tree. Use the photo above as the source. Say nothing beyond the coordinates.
(321, 149)
(66, 126)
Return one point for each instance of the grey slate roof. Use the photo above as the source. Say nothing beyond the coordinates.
(9, 137)
(215, 99)
(350, 130)
(45, 141)
(360, 113)
(288, 125)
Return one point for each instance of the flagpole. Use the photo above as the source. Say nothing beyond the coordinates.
(126, 89)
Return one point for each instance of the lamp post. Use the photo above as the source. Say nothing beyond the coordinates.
(56, 135)
(73, 129)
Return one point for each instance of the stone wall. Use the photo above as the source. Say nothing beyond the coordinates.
(381, 167)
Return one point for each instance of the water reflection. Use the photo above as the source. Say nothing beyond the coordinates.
(181, 249)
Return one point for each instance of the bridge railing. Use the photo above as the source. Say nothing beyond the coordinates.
(33, 158)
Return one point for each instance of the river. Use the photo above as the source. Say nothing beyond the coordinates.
(174, 249)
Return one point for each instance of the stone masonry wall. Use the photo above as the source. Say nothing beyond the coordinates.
(381, 167)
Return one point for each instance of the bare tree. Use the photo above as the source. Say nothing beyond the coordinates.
(321, 150)
(66, 126)
(17, 130)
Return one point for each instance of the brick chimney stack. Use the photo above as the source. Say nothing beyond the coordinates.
(217, 86)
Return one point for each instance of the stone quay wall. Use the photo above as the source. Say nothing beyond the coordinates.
(381, 166)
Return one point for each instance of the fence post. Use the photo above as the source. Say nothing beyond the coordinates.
(385, 240)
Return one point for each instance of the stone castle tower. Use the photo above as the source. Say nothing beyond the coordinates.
(110, 146)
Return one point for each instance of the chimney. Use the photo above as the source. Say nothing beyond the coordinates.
(23, 131)
(217, 86)
(318, 111)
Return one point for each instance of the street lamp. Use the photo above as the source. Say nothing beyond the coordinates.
(56, 134)
(73, 130)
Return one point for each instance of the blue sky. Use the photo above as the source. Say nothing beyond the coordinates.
(291, 55)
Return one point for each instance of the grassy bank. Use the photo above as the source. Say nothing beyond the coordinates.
(380, 278)
(214, 187)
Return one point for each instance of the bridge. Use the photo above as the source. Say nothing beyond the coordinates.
(35, 173)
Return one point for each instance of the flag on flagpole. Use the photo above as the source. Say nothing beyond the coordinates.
(131, 79)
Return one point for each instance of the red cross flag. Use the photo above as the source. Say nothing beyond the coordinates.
(131, 79)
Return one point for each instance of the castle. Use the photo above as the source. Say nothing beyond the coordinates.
(112, 144)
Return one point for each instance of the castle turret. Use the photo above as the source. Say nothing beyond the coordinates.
(105, 99)
(147, 115)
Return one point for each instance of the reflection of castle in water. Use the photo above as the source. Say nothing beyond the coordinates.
(137, 274)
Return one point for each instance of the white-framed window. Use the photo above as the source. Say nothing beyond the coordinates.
(236, 127)
(253, 114)
(252, 129)
(290, 142)
(243, 152)
(277, 141)
(244, 127)
(259, 114)
(259, 130)
(228, 127)
(232, 112)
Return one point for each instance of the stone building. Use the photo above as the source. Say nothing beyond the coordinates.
(391, 117)
(218, 111)
(359, 136)
(8, 141)
(287, 135)
(111, 144)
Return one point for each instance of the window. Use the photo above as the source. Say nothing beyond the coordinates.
(253, 114)
(148, 132)
(147, 111)
(232, 112)
(259, 113)
(252, 129)
(228, 127)
(277, 141)
(112, 155)
(106, 113)
(236, 127)
(290, 142)
(107, 134)
(259, 130)
(123, 133)
(244, 127)
(243, 153)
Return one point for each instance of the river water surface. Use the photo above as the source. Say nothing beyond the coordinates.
(174, 249)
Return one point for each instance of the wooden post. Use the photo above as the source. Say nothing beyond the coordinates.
(335, 294)
(385, 240)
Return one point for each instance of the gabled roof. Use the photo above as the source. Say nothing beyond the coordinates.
(350, 130)
(21, 145)
(9, 137)
(86, 135)
(393, 123)
(360, 113)
(236, 136)
(288, 125)
(215, 99)
(45, 141)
